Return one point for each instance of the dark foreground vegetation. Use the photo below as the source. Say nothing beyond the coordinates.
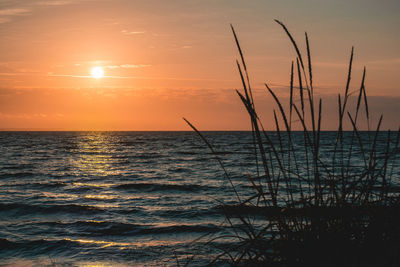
(339, 207)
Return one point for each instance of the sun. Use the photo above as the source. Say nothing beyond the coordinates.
(97, 72)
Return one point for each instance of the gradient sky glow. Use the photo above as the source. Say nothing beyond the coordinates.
(165, 59)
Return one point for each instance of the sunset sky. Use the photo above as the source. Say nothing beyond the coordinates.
(168, 59)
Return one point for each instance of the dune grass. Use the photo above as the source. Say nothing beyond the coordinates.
(314, 206)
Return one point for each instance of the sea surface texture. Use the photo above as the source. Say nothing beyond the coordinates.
(116, 198)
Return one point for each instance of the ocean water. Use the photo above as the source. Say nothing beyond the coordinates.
(116, 198)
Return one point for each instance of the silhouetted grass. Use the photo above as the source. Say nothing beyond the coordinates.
(313, 208)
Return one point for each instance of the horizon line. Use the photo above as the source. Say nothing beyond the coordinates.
(65, 130)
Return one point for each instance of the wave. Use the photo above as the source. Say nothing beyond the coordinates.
(152, 187)
(182, 229)
(104, 228)
(21, 208)
(35, 247)
(17, 174)
(38, 185)
(149, 155)
(73, 247)
(190, 213)
(131, 143)
(179, 170)
(18, 166)
(188, 153)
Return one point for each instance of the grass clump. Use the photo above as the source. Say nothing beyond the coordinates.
(314, 203)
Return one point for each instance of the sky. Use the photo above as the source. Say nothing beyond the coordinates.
(168, 59)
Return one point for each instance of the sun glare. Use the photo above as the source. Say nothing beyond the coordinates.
(97, 72)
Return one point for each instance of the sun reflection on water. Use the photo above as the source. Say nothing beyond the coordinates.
(101, 197)
(101, 243)
(94, 155)
(100, 185)
(127, 245)
(93, 160)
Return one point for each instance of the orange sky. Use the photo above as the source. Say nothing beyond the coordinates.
(165, 59)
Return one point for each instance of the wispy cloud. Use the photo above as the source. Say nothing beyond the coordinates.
(390, 61)
(87, 76)
(372, 63)
(60, 2)
(13, 11)
(7, 14)
(132, 32)
(19, 73)
(54, 3)
(127, 66)
(140, 77)
(4, 20)
(25, 7)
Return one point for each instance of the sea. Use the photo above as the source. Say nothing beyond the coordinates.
(117, 198)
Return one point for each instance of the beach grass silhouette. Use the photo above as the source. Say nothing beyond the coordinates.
(313, 204)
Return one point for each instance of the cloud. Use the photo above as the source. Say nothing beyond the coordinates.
(25, 7)
(139, 77)
(132, 32)
(87, 76)
(384, 62)
(375, 64)
(4, 20)
(54, 3)
(13, 11)
(8, 13)
(339, 65)
(19, 73)
(127, 66)
(60, 2)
